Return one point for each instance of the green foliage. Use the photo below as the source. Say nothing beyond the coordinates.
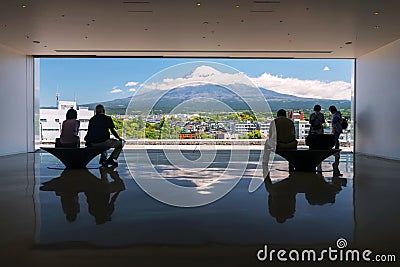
(198, 118)
(255, 134)
(247, 116)
(204, 136)
(150, 132)
(118, 123)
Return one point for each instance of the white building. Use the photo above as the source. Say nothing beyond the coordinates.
(244, 128)
(264, 128)
(302, 128)
(51, 120)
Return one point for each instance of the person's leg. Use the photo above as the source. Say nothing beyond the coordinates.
(336, 140)
(292, 145)
(117, 145)
(103, 155)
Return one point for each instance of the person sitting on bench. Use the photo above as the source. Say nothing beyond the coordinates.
(70, 130)
(98, 135)
(282, 133)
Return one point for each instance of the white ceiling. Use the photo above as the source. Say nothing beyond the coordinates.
(222, 28)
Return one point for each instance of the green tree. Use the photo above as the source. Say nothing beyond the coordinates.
(247, 116)
(150, 131)
(118, 125)
(255, 134)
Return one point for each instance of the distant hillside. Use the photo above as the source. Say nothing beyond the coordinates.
(204, 97)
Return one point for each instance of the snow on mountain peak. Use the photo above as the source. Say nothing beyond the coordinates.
(203, 72)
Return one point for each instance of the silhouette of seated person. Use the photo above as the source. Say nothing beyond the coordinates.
(282, 134)
(98, 135)
(70, 130)
(98, 192)
(282, 194)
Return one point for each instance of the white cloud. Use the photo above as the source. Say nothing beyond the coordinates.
(304, 88)
(326, 68)
(131, 83)
(292, 86)
(131, 90)
(116, 90)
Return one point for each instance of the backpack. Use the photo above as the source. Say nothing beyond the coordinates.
(315, 120)
(344, 123)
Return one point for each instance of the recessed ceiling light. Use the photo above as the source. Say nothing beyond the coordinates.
(376, 13)
(24, 6)
(266, 2)
(198, 4)
(237, 6)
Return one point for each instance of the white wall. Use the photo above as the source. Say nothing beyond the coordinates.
(16, 102)
(378, 102)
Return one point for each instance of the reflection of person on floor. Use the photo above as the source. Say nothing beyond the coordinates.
(281, 199)
(100, 202)
(98, 191)
(70, 204)
(282, 194)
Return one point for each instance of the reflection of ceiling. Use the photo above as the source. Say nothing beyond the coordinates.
(285, 28)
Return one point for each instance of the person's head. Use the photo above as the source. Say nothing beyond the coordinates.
(71, 114)
(332, 109)
(281, 112)
(100, 109)
(317, 108)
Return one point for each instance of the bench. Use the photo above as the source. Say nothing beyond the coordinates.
(75, 158)
(306, 159)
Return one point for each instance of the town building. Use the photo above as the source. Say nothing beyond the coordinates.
(51, 120)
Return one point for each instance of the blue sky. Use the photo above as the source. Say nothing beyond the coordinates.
(94, 79)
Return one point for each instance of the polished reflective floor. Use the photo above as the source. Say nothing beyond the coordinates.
(52, 212)
(106, 207)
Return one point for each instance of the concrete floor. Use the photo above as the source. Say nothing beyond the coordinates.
(100, 218)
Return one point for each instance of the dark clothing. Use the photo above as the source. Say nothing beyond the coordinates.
(99, 129)
(336, 124)
(70, 133)
(317, 120)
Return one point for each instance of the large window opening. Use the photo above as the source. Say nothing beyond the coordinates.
(183, 99)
